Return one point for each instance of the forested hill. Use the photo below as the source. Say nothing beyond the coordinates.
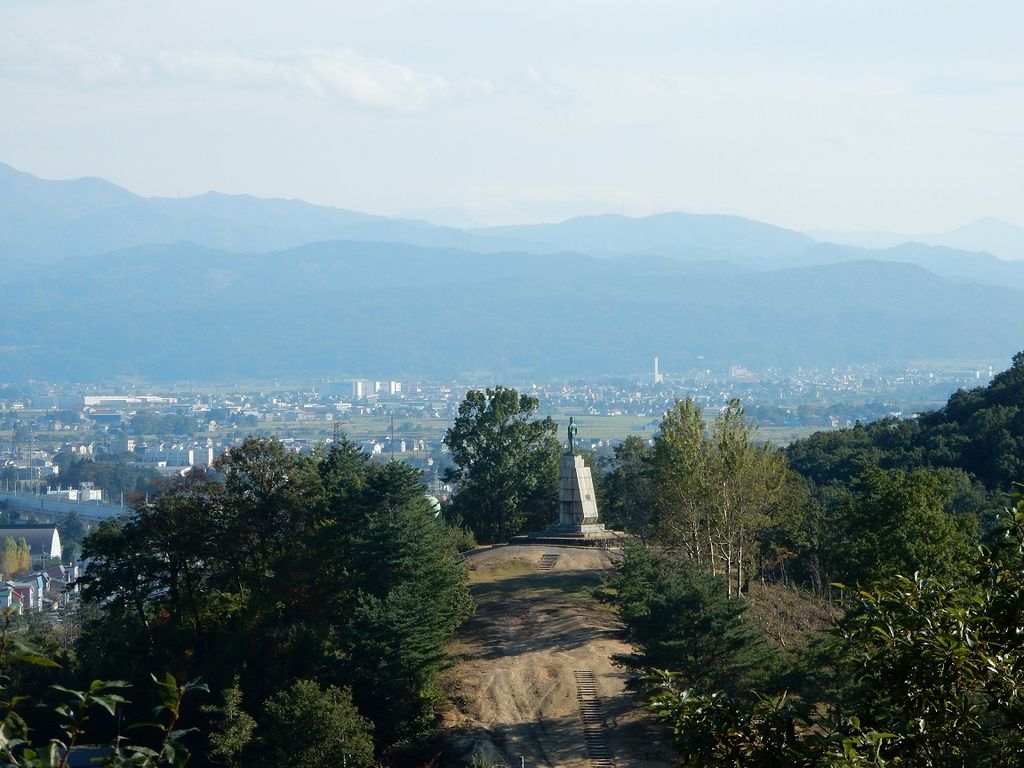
(347, 307)
(980, 431)
(99, 282)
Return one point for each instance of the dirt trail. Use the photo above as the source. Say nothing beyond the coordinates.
(515, 679)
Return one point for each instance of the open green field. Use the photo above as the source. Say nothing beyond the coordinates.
(619, 427)
(591, 427)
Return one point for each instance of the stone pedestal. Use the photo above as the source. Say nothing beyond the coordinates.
(578, 522)
(577, 504)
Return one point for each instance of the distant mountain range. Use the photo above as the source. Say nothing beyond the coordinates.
(990, 235)
(98, 281)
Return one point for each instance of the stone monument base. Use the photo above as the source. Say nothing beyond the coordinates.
(581, 536)
(578, 524)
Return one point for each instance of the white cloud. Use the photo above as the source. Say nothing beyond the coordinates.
(550, 91)
(339, 75)
(62, 64)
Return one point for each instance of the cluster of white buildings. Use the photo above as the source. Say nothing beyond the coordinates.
(84, 492)
(364, 388)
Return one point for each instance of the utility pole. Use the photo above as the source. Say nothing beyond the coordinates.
(31, 447)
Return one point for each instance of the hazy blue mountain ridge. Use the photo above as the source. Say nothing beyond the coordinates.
(947, 262)
(231, 285)
(990, 235)
(43, 221)
(671, 234)
(344, 308)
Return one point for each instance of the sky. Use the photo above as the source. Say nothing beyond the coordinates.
(905, 116)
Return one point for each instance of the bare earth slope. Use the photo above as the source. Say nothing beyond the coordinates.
(515, 679)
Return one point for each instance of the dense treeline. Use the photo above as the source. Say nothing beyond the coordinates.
(821, 510)
(923, 664)
(980, 432)
(918, 669)
(944, 476)
(711, 495)
(183, 425)
(312, 594)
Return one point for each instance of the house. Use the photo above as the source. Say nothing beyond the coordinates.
(28, 594)
(10, 598)
(61, 583)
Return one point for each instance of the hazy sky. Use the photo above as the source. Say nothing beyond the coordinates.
(899, 115)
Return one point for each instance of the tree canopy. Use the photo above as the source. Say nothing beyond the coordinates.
(715, 492)
(505, 464)
(916, 671)
(324, 567)
(980, 431)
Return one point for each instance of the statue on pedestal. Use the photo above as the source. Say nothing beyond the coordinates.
(578, 523)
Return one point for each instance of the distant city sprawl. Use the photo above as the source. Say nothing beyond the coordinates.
(102, 444)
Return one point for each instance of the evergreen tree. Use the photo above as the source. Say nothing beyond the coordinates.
(72, 532)
(896, 523)
(679, 617)
(24, 556)
(233, 730)
(411, 596)
(10, 558)
(624, 486)
(305, 725)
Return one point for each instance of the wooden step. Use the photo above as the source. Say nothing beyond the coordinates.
(547, 561)
(595, 737)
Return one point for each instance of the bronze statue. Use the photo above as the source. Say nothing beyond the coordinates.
(573, 431)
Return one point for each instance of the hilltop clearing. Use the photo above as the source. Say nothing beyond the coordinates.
(515, 690)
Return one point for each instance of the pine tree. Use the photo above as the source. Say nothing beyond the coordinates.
(411, 596)
(305, 725)
(679, 617)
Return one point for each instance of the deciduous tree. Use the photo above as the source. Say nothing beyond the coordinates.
(505, 463)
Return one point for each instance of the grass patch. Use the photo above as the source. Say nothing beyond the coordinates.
(790, 616)
(508, 569)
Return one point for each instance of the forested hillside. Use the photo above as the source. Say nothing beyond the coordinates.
(905, 530)
(980, 431)
(338, 308)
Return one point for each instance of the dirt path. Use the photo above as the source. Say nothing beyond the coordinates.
(515, 679)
